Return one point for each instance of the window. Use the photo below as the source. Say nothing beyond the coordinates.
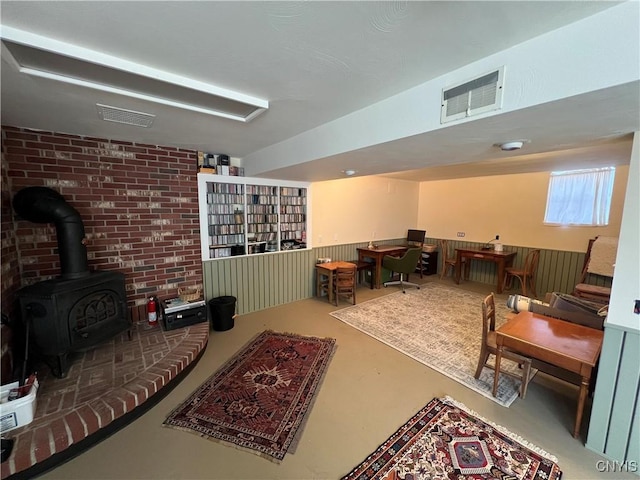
(580, 197)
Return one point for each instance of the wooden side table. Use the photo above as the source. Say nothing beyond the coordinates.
(564, 344)
(328, 270)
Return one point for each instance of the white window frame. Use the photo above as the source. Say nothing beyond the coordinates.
(580, 197)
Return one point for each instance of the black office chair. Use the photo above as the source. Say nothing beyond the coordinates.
(404, 266)
(415, 238)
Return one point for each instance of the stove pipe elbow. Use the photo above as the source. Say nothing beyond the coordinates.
(44, 205)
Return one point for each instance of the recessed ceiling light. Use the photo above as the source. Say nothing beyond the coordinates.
(349, 173)
(509, 146)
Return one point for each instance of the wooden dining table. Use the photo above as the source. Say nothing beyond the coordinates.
(377, 254)
(501, 259)
(566, 345)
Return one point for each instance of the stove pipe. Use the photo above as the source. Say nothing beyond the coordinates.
(44, 205)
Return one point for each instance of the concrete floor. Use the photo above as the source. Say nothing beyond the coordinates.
(369, 391)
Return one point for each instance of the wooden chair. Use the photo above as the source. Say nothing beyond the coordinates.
(344, 283)
(526, 275)
(598, 264)
(489, 347)
(448, 261)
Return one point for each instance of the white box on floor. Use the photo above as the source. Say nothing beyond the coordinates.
(19, 412)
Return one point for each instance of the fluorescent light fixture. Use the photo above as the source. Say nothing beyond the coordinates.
(54, 60)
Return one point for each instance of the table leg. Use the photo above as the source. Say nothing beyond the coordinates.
(330, 293)
(378, 271)
(458, 266)
(375, 274)
(496, 374)
(500, 266)
(584, 388)
(329, 274)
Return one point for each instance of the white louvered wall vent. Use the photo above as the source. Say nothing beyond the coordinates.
(122, 115)
(476, 96)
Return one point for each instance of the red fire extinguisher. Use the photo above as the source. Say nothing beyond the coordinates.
(152, 311)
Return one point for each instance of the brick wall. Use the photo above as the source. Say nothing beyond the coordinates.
(138, 203)
(10, 273)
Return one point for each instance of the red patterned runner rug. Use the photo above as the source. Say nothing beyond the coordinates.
(445, 440)
(258, 400)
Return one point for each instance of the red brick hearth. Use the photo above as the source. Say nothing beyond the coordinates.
(103, 387)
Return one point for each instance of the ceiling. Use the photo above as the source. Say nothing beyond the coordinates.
(315, 62)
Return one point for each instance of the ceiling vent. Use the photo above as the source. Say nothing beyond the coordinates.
(121, 115)
(474, 97)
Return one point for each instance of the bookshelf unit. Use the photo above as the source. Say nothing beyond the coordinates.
(262, 218)
(242, 216)
(293, 215)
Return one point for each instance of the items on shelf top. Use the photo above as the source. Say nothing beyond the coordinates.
(219, 164)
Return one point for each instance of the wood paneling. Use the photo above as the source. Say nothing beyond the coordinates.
(261, 281)
(613, 430)
(264, 281)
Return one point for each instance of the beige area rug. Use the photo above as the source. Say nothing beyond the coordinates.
(438, 326)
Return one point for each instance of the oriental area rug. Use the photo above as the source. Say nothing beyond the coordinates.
(259, 399)
(446, 440)
(439, 326)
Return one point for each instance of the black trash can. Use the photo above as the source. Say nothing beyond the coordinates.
(222, 311)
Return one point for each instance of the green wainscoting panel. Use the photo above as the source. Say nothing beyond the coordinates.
(261, 281)
(558, 271)
(271, 279)
(613, 428)
(264, 281)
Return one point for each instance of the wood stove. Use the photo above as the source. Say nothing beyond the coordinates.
(80, 309)
(73, 315)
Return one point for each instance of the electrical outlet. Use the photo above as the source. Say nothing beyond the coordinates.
(497, 237)
(461, 234)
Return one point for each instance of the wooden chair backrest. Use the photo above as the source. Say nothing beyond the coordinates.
(444, 250)
(587, 257)
(531, 263)
(345, 279)
(488, 316)
(415, 238)
(608, 258)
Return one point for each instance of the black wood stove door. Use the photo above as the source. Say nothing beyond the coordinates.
(74, 315)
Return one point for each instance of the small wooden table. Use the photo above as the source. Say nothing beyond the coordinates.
(329, 270)
(377, 254)
(564, 344)
(501, 259)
